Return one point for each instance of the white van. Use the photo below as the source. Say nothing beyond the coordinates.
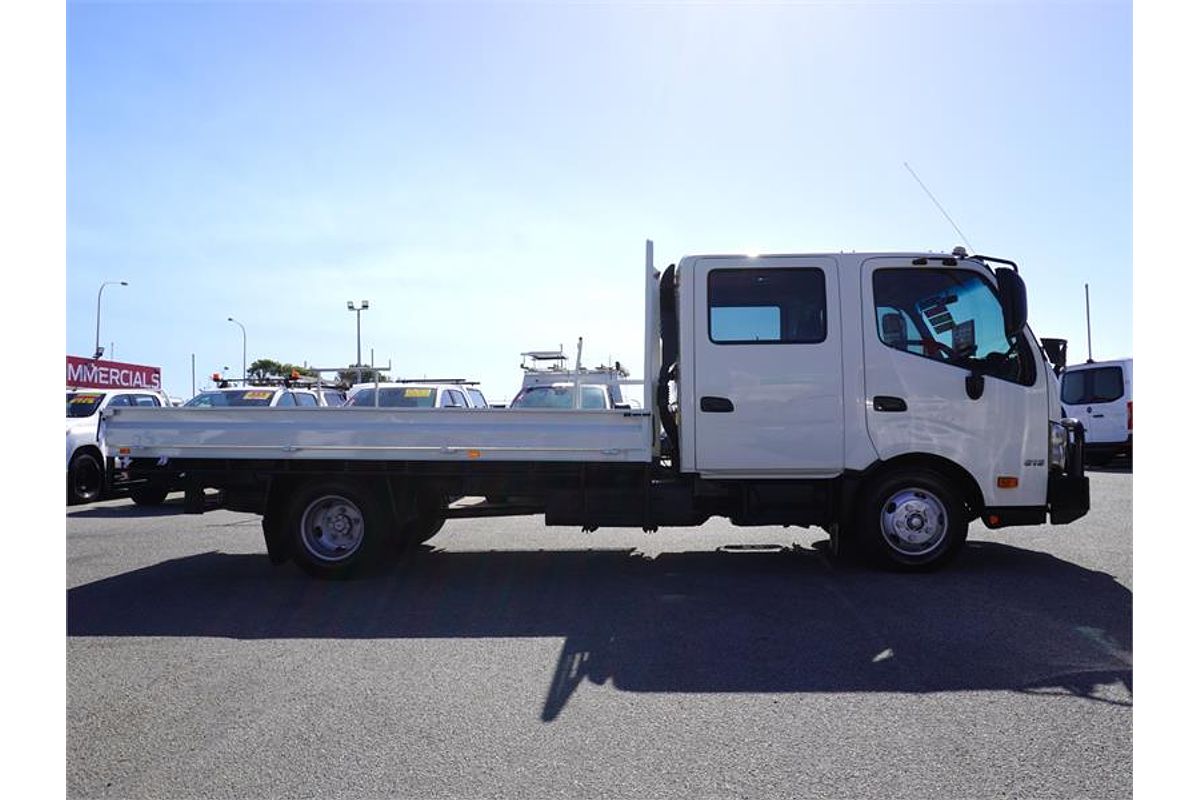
(1100, 395)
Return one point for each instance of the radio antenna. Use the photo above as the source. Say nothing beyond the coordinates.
(939, 205)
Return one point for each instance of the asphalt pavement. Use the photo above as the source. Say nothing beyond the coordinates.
(508, 659)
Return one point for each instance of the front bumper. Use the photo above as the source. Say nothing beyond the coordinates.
(1068, 493)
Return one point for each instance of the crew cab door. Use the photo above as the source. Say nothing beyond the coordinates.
(767, 366)
(928, 324)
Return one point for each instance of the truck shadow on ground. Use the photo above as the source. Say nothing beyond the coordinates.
(1000, 618)
(126, 508)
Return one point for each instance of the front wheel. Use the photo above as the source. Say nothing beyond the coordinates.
(336, 529)
(85, 479)
(912, 520)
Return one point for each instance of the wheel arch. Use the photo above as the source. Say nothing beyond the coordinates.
(966, 484)
(89, 449)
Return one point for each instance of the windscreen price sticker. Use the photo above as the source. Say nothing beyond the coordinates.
(257, 395)
(85, 399)
(417, 392)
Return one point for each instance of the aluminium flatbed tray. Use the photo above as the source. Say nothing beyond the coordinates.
(380, 434)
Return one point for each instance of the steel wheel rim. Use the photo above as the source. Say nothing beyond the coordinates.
(332, 528)
(85, 479)
(914, 522)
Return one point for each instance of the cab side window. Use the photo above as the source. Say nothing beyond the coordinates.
(766, 306)
(305, 399)
(951, 316)
(452, 398)
(285, 399)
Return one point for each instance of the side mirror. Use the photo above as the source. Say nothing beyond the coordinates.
(1056, 352)
(1012, 300)
(892, 325)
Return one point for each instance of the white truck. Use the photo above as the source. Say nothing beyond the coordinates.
(888, 398)
(86, 453)
(547, 368)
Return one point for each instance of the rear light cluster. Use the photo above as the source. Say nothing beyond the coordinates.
(1129, 416)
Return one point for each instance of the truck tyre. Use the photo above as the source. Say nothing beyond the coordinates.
(430, 507)
(336, 529)
(911, 520)
(85, 479)
(422, 529)
(148, 495)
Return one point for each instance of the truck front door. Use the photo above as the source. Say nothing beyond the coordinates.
(928, 325)
(768, 367)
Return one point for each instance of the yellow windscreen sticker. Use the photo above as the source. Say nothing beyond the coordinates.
(418, 392)
(86, 398)
(257, 395)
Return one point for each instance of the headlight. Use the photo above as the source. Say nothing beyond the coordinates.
(1058, 445)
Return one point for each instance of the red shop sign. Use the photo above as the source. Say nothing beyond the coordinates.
(94, 374)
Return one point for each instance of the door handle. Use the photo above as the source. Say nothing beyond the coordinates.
(883, 402)
(716, 405)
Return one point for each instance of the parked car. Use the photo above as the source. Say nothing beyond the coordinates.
(1100, 395)
(86, 453)
(562, 395)
(250, 396)
(331, 396)
(453, 393)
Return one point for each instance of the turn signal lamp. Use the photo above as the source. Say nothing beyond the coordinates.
(1007, 482)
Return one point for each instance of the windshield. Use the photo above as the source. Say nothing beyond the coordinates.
(559, 397)
(240, 398)
(83, 404)
(395, 397)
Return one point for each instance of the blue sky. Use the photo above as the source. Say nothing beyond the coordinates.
(486, 174)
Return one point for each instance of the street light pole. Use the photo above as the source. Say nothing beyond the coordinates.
(358, 315)
(243, 327)
(99, 294)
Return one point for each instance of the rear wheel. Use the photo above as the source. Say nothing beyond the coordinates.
(336, 529)
(148, 495)
(85, 479)
(422, 529)
(911, 520)
(430, 518)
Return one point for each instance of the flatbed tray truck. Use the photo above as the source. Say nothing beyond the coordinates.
(889, 398)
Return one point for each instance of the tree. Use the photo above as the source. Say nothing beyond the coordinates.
(352, 375)
(264, 368)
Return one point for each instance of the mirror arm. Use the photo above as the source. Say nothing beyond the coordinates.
(974, 383)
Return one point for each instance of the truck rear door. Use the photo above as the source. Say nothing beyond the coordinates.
(1096, 395)
(767, 367)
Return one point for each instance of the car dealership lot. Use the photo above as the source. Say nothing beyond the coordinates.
(510, 659)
